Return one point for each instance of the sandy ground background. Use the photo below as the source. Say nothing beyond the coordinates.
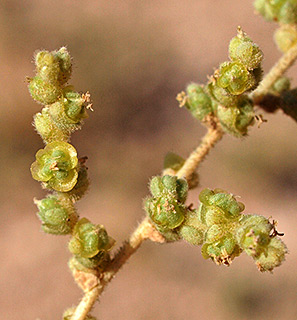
(134, 57)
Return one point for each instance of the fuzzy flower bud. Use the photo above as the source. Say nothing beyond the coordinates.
(89, 239)
(166, 208)
(257, 237)
(197, 101)
(56, 166)
(244, 50)
(57, 214)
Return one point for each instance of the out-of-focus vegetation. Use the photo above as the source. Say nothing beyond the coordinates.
(134, 57)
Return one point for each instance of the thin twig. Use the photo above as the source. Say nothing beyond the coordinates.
(145, 230)
(283, 64)
(213, 135)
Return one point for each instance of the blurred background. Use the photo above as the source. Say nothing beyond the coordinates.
(134, 57)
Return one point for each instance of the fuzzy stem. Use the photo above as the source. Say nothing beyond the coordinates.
(283, 64)
(213, 135)
(145, 229)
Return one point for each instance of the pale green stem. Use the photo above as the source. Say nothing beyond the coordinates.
(283, 64)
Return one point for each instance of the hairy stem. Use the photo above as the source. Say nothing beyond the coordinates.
(283, 64)
(145, 229)
(213, 135)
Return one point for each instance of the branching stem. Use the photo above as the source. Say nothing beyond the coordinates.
(145, 229)
(283, 64)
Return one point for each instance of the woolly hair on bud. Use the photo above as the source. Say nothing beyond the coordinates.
(44, 92)
(244, 50)
(48, 131)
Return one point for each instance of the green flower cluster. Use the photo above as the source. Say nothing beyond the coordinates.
(218, 225)
(224, 96)
(65, 109)
(220, 212)
(283, 11)
(90, 244)
(57, 165)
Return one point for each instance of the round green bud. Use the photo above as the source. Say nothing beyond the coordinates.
(56, 166)
(65, 65)
(286, 37)
(166, 212)
(43, 91)
(235, 120)
(244, 50)
(89, 239)
(198, 102)
(57, 214)
(218, 207)
(47, 129)
(170, 186)
(222, 95)
(253, 235)
(47, 67)
(234, 78)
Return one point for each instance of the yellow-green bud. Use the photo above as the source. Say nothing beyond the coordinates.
(234, 78)
(45, 126)
(244, 50)
(43, 91)
(56, 166)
